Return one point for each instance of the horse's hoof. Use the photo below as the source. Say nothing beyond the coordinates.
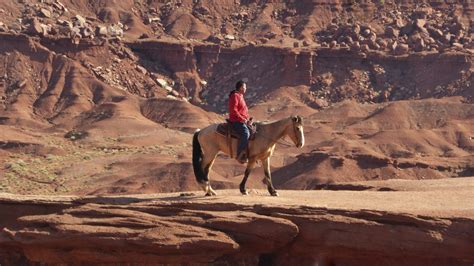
(274, 194)
(244, 192)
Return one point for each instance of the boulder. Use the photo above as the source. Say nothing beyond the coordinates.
(45, 12)
(229, 37)
(75, 37)
(3, 27)
(356, 29)
(423, 12)
(321, 103)
(202, 10)
(341, 31)
(419, 45)
(332, 28)
(162, 82)
(392, 45)
(366, 33)
(174, 93)
(355, 46)
(16, 27)
(65, 23)
(447, 38)
(79, 21)
(101, 31)
(429, 40)
(374, 46)
(435, 33)
(401, 49)
(215, 39)
(364, 48)
(391, 32)
(87, 32)
(35, 27)
(270, 35)
(419, 24)
(243, 15)
(115, 31)
(372, 37)
(60, 6)
(382, 43)
(399, 23)
(347, 39)
(434, 48)
(144, 36)
(408, 29)
(456, 28)
(153, 19)
(141, 69)
(469, 45)
(75, 30)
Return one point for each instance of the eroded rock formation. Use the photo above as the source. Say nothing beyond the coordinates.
(258, 229)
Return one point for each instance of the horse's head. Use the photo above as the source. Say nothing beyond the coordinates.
(296, 133)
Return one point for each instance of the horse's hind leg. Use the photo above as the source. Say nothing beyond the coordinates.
(207, 162)
(268, 177)
(249, 168)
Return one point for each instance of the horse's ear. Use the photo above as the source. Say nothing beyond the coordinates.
(300, 119)
(297, 119)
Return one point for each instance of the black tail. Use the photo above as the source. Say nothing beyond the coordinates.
(201, 176)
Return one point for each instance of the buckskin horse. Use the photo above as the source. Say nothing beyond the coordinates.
(207, 143)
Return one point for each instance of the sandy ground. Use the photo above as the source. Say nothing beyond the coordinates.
(439, 198)
(446, 197)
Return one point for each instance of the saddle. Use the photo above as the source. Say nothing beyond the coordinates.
(226, 129)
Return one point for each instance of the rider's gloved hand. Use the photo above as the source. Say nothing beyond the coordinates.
(249, 121)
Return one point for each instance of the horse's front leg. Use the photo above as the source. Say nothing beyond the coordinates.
(207, 162)
(249, 168)
(268, 177)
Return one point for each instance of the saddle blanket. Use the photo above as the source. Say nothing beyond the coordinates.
(224, 127)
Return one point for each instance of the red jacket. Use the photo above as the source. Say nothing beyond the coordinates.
(238, 111)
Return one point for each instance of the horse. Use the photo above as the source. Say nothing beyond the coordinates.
(207, 143)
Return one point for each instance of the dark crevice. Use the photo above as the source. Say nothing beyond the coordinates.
(265, 259)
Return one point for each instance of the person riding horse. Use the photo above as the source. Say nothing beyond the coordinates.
(240, 119)
(208, 142)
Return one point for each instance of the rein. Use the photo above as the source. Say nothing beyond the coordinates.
(278, 140)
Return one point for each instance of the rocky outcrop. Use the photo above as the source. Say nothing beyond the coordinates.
(174, 229)
(203, 43)
(369, 77)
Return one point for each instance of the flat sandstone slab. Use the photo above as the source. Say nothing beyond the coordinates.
(424, 222)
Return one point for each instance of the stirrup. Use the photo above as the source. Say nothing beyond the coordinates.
(242, 158)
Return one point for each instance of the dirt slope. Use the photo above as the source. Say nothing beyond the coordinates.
(102, 96)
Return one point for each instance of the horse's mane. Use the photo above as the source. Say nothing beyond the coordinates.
(267, 122)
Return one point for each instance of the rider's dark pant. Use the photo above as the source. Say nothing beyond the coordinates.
(244, 133)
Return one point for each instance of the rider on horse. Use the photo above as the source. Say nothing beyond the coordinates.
(240, 119)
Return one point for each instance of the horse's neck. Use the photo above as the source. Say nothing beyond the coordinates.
(275, 130)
